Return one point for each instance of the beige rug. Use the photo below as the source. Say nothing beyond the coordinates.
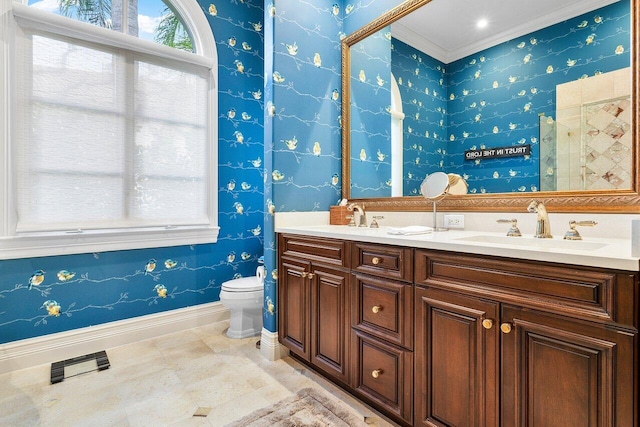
(308, 408)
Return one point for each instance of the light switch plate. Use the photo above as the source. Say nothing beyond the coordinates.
(453, 221)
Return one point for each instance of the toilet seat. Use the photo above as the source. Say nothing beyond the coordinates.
(245, 284)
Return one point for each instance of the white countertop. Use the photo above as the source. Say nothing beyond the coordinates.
(593, 252)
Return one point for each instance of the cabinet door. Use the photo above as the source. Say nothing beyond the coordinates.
(557, 372)
(456, 360)
(329, 320)
(294, 305)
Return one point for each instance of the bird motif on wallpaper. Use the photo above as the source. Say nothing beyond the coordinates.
(465, 92)
(496, 129)
(239, 208)
(150, 266)
(271, 109)
(534, 140)
(473, 61)
(231, 185)
(335, 9)
(416, 72)
(597, 19)
(473, 105)
(232, 41)
(379, 80)
(550, 69)
(381, 156)
(496, 175)
(388, 182)
(534, 90)
(277, 77)
(272, 10)
(362, 76)
(619, 50)
(239, 137)
(417, 161)
(160, 290)
(245, 256)
(316, 149)
(512, 126)
(334, 179)
(521, 45)
(274, 274)
(271, 208)
(533, 41)
(482, 59)
(410, 85)
(231, 256)
(245, 116)
(512, 79)
(246, 46)
(363, 155)
(257, 94)
(256, 163)
(496, 84)
(477, 117)
(231, 113)
(348, 9)
(256, 231)
(527, 106)
(257, 26)
(317, 60)
(522, 92)
(64, 275)
(277, 175)
(212, 10)
(52, 307)
(534, 188)
(335, 94)
(292, 48)
(452, 137)
(476, 75)
(291, 143)
(571, 62)
(512, 172)
(452, 96)
(36, 278)
(522, 141)
(527, 58)
(583, 24)
(245, 185)
(169, 264)
(271, 308)
(239, 66)
(590, 38)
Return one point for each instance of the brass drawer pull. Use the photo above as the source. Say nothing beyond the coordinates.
(506, 328)
(376, 309)
(487, 323)
(375, 260)
(376, 373)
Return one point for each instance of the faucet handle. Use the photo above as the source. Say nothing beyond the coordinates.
(572, 233)
(374, 223)
(513, 231)
(352, 221)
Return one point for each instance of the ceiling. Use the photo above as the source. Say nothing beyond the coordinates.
(447, 30)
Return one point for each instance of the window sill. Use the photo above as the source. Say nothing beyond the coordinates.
(87, 242)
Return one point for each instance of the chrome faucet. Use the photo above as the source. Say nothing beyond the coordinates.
(543, 227)
(362, 215)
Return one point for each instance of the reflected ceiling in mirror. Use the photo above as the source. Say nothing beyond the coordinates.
(504, 96)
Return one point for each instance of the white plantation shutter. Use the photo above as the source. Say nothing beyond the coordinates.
(110, 133)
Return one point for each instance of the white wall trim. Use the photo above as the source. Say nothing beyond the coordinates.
(270, 348)
(65, 345)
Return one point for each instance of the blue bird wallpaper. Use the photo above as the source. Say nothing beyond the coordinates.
(279, 149)
(40, 296)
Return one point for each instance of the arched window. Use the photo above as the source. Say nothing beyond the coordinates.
(109, 140)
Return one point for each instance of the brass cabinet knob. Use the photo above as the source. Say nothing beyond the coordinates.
(304, 274)
(310, 275)
(506, 327)
(375, 260)
(376, 308)
(487, 323)
(376, 373)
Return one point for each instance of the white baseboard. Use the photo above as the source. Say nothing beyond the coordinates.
(65, 345)
(270, 348)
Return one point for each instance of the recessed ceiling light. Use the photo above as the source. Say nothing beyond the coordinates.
(482, 23)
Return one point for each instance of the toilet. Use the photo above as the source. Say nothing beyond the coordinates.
(244, 298)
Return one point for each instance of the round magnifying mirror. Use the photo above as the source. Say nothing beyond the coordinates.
(435, 186)
(457, 185)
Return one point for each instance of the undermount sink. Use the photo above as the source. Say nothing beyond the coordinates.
(532, 242)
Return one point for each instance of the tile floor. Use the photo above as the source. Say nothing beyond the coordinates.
(162, 382)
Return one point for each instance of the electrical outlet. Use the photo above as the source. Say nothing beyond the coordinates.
(453, 221)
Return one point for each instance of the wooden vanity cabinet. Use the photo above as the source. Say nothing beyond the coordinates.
(313, 302)
(521, 343)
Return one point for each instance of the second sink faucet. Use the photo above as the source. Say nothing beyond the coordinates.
(362, 214)
(543, 227)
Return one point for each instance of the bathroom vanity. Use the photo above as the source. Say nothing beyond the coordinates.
(464, 328)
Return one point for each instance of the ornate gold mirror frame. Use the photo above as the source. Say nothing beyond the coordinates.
(619, 201)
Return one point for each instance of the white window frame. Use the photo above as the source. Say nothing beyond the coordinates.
(14, 244)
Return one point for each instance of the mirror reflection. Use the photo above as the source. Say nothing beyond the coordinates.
(531, 109)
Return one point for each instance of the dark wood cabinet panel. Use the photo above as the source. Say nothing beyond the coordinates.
(557, 372)
(294, 306)
(383, 374)
(384, 261)
(329, 321)
(383, 308)
(456, 360)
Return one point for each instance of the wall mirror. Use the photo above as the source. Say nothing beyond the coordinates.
(541, 103)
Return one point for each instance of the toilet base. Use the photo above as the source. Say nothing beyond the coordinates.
(245, 323)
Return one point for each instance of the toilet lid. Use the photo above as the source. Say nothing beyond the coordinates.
(245, 284)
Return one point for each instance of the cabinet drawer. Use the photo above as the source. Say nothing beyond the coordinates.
(381, 260)
(384, 374)
(580, 292)
(328, 251)
(383, 308)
